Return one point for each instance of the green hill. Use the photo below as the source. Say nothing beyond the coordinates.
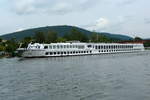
(61, 30)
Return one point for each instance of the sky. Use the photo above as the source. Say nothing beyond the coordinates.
(128, 17)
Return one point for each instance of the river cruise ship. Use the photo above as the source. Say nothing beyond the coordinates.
(78, 48)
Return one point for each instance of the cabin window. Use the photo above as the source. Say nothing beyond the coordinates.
(114, 47)
(57, 46)
(89, 46)
(64, 46)
(99, 47)
(58, 53)
(50, 47)
(128, 46)
(104, 47)
(81, 47)
(68, 52)
(132, 46)
(54, 46)
(96, 47)
(111, 47)
(107, 47)
(45, 47)
(120, 46)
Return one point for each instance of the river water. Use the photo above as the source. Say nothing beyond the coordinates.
(97, 77)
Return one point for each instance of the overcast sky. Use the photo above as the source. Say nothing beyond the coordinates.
(130, 17)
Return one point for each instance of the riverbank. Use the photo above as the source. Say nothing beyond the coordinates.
(9, 55)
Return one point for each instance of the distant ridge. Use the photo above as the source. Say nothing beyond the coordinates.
(147, 39)
(61, 30)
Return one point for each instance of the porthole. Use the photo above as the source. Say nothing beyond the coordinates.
(51, 53)
(46, 53)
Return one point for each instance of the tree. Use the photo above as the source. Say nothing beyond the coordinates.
(51, 37)
(11, 45)
(147, 44)
(0, 40)
(103, 38)
(26, 41)
(2, 48)
(76, 35)
(67, 37)
(94, 37)
(39, 37)
(137, 39)
(61, 39)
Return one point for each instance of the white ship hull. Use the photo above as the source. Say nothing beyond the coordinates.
(78, 49)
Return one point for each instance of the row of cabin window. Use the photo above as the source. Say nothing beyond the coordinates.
(112, 50)
(68, 52)
(113, 46)
(116, 50)
(63, 46)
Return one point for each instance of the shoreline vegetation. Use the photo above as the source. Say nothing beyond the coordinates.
(8, 47)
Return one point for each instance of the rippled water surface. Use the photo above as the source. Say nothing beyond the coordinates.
(98, 77)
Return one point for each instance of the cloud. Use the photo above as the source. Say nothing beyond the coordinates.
(112, 25)
(50, 6)
(101, 23)
(18, 30)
